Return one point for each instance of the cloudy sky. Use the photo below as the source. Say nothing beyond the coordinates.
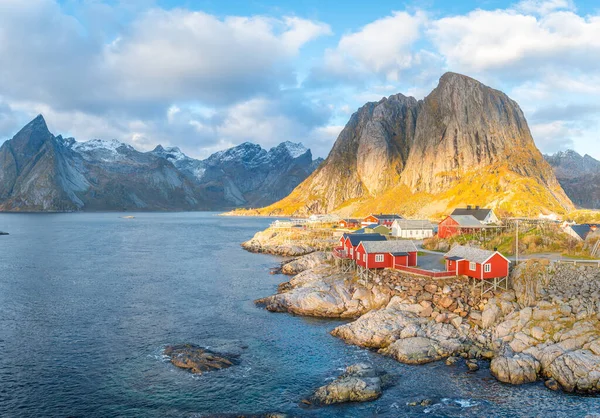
(210, 74)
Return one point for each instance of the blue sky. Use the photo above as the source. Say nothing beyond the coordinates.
(206, 75)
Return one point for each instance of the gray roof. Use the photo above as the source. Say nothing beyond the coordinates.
(479, 213)
(584, 230)
(467, 221)
(476, 255)
(413, 224)
(356, 239)
(387, 216)
(397, 246)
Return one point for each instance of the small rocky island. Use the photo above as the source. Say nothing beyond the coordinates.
(359, 383)
(547, 327)
(197, 359)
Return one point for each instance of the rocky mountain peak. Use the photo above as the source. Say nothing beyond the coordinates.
(401, 145)
(29, 140)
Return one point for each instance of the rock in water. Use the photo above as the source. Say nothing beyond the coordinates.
(360, 383)
(515, 368)
(196, 359)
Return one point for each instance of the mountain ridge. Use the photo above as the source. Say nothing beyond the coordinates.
(465, 143)
(43, 172)
(579, 176)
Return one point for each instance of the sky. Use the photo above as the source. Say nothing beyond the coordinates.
(207, 75)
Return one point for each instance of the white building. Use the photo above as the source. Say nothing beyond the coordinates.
(412, 229)
(483, 215)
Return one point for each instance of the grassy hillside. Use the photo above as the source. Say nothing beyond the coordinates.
(497, 186)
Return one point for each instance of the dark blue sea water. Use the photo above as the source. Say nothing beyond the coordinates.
(88, 301)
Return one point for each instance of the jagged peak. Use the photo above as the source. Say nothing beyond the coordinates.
(294, 149)
(37, 124)
(450, 77)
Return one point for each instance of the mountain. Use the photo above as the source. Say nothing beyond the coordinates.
(247, 174)
(465, 143)
(579, 176)
(43, 172)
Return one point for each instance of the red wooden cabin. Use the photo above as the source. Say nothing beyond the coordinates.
(458, 224)
(349, 223)
(349, 242)
(477, 263)
(381, 219)
(386, 254)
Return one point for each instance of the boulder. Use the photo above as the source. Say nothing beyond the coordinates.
(515, 368)
(196, 359)
(490, 315)
(421, 350)
(359, 383)
(305, 262)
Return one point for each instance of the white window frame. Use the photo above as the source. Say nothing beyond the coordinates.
(472, 266)
(487, 268)
(364, 257)
(351, 251)
(379, 258)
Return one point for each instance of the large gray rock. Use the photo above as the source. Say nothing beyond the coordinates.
(515, 368)
(421, 350)
(306, 262)
(324, 292)
(360, 383)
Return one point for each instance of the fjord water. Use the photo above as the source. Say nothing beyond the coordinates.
(88, 301)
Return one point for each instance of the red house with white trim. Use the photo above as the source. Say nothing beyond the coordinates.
(386, 254)
(477, 263)
(349, 242)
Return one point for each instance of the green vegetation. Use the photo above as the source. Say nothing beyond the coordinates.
(534, 240)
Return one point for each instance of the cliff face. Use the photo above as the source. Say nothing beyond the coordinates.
(43, 172)
(367, 158)
(579, 176)
(465, 143)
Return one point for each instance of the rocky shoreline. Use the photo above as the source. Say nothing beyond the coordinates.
(546, 328)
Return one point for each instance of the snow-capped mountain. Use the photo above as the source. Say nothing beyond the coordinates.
(43, 172)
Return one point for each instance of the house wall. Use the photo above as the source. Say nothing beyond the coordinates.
(401, 260)
(499, 267)
(412, 233)
(447, 228)
(412, 259)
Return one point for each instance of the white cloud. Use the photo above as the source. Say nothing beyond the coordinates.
(554, 136)
(542, 7)
(517, 44)
(381, 47)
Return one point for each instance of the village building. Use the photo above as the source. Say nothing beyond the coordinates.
(581, 232)
(412, 229)
(349, 223)
(485, 216)
(349, 242)
(457, 225)
(385, 254)
(486, 266)
(381, 219)
(377, 229)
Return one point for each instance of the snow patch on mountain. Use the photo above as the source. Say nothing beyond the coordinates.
(294, 149)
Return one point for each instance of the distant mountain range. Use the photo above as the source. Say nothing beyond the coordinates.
(43, 172)
(579, 176)
(465, 143)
